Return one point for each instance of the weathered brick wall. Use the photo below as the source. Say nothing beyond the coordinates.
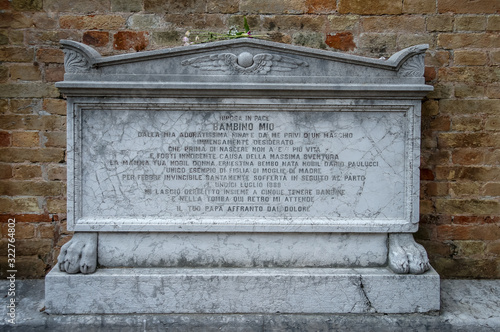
(460, 187)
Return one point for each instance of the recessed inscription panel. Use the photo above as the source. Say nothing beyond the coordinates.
(228, 166)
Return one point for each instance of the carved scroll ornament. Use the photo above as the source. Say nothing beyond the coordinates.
(75, 62)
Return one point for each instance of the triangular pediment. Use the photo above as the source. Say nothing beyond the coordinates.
(242, 61)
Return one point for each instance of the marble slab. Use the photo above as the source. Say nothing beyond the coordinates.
(218, 291)
(216, 167)
(241, 250)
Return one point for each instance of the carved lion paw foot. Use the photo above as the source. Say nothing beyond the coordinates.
(79, 254)
(407, 256)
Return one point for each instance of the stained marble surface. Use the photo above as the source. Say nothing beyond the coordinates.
(229, 290)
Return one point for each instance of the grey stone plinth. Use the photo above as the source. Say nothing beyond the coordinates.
(294, 291)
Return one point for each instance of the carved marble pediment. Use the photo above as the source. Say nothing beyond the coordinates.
(235, 64)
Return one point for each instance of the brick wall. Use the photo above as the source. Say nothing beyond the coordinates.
(460, 187)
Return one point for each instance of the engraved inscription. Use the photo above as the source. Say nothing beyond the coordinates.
(236, 164)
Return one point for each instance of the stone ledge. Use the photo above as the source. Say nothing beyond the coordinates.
(466, 305)
(241, 291)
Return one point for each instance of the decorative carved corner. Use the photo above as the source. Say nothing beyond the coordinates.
(412, 62)
(75, 62)
(413, 67)
(78, 58)
(244, 63)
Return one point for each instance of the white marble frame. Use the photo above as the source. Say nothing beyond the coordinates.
(408, 224)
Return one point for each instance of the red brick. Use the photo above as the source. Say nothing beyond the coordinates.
(343, 41)
(321, 6)
(463, 189)
(56, 173)
(127, 40)
(4, 4)
(435, 157)
(491, 189)
(470, 58)
(468, 207)
(469, 91)
(493, 23)
(434, 219)
(55, 205)
(426, 174)
(27, 5)
(5, 171)
(34, 122)
(270, 7)
(223, 6)
(19, 155)
(430, 74)
(419, 7)
(96, 38)
(5, 139)
(440, 123)
(4, 73)
(183, 6)
(472, 106)
(50, 38)
(493, 157)
(15, 20)
(468, 220)
(468, 156)
(43, 20)
(25, 106)
(54, 73)
(426, 207)
(87, 6)
(24, 230)
(28, 90)
(343, 22)
(462, 40)
(405, 23)
(32, 188)
(25, 139)
(468, 140)
(370, 7)
(45, 231)
(293, 22)
(50, 55)
(55, 139)
(466, 268)
(468, 123)
(92, 22)
(430, 108)
(492, 123)
(19, 205)
(23, 172)
(493, 248)
(441, 23)
(469, 7)
(55, 106)
(470, 23)
(25, 72)
(436, 248)
(26, 218)
(16, 54)
(434, 189)
(468, 173)
(476, 74)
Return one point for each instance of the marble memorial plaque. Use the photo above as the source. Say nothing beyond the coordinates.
(219, 166)
(223, 167)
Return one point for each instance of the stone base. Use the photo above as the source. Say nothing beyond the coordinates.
(234, 290)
